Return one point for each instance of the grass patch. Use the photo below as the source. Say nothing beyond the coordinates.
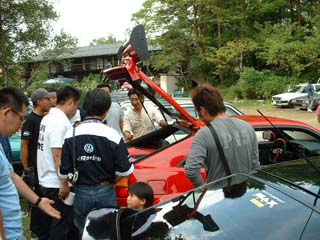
(251, 103)
(26, 211)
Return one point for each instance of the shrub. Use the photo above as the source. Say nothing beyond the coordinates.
(261, 84)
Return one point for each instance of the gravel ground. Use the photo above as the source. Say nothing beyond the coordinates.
(289, 113)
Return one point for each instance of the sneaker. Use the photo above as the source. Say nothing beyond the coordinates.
(309, 110)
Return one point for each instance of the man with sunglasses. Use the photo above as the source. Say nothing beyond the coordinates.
(13, 105)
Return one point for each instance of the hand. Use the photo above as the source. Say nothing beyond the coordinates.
(45, 206)
(183, 123)
(163, 123)
(64, 189)
(127, 136)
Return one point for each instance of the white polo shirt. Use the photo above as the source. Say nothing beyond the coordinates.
(53, 128)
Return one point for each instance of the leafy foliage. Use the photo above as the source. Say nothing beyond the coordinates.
(260, 84)
(24, 26)
(100, 41)
(266, 44)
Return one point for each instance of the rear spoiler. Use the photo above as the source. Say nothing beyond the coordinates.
(136, 47)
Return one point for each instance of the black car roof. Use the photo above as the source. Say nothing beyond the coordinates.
(277, 202)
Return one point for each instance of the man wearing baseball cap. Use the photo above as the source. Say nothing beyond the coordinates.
(29, 143)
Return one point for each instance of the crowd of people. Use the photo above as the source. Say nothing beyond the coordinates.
(61, 160)
(82, 162)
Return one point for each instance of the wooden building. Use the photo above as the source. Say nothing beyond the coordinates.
(83, 61)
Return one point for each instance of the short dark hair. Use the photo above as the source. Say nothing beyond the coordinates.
(103, 85)
(134, 91)
(96, 102)
(143, 191)
(13, 98)
(208, 97)
(66, 93)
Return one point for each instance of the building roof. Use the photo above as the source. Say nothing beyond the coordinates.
(98, 50)
(93, 51)
(88, 51)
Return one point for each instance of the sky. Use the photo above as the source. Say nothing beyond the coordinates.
(92, 19)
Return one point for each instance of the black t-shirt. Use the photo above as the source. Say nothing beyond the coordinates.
(30, 131)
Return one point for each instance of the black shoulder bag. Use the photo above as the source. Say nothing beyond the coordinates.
(221, 153)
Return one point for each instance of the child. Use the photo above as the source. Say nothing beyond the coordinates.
(140, 196)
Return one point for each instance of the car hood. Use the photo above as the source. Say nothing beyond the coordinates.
(288, 96)
(129, 55)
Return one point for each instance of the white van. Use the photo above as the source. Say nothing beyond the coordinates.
(285, 99)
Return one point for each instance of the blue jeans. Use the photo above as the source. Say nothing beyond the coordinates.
(88, 198)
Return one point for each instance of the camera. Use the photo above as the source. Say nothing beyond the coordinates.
(73, 177)
(29, 177)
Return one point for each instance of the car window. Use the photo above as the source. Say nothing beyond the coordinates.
(157, 140)
(300, 135)
(191, 110)
(295, 89)
(293, 134)
(302, 89)
(230, 111)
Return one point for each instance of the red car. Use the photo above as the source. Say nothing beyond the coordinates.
(163, 168)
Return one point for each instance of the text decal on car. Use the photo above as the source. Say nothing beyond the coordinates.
(262, 200)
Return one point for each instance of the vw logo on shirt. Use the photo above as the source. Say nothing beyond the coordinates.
(88, 148)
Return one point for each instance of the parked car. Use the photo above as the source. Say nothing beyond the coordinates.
(186, 104)
(279, 201)
(303, 102)
(163, 167)
(15, 142)
(286, 99)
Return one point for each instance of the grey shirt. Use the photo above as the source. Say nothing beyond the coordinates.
(240, 146)
(114, 115)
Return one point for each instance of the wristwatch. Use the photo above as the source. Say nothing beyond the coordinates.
(36, 204)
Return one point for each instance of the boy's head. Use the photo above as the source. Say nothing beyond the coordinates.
(140, 196)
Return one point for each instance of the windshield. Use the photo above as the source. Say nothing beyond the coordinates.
(296, 89)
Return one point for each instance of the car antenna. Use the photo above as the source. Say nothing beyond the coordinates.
(300, 153)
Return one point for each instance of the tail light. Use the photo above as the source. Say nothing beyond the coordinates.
(121, 188)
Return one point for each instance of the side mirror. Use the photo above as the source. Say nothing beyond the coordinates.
(267, 135)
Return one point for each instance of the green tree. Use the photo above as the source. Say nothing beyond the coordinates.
(173, 25)
(100, 41)
(216, 39)
(24, 26)
(290, 50)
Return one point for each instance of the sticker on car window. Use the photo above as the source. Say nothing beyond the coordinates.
(265, 200)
